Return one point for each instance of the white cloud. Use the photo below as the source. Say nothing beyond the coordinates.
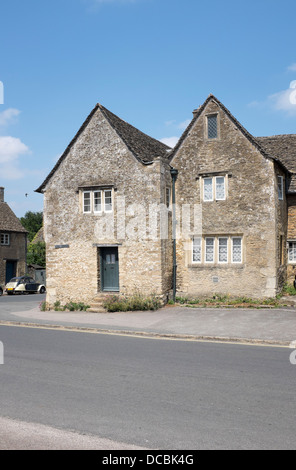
(11, 149)
(284, 100)
(170, 141)
(183, 125)
(8, 116)
(292, 68)
(170, 123)
(9, 172)
(180, 125)
(176, 127)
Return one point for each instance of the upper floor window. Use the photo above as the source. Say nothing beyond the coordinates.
(97, 201)
(4, 239)
(214, 188)
(280, 187)
(212, 126)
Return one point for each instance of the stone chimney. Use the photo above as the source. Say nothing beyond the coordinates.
(1, 194)
(195, 111)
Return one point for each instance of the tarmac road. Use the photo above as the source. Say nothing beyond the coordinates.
(149, 393)
(241, 326)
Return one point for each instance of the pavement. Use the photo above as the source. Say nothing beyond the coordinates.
(262, 326)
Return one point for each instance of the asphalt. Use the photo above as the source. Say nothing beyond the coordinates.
(262, 326)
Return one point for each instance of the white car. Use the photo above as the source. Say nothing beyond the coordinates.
(24, 285)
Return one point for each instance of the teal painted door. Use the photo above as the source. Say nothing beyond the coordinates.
(10, 270)
(109, 269)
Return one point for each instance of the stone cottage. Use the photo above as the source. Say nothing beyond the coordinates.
(13, 243)
(216, 214)
(101, 208)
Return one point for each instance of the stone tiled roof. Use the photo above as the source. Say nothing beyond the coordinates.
(8, 220)
(284, 148)
(144, 148)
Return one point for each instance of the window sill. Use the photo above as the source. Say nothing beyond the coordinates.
(97, 214)
(216, 265)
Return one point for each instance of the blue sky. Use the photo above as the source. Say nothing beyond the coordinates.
(151, 62)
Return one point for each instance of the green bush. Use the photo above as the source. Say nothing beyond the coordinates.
(289, 289)
(75, 307)
(43, 306)
(219, 300)
(116, 303)
(71, 306)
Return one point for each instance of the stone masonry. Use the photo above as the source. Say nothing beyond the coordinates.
(234, 242)
(250, 210)
(100, 159)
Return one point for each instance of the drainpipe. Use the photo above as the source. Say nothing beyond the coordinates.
(174, 174)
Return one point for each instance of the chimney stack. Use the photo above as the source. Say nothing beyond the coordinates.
(195, 111)
(1, 194)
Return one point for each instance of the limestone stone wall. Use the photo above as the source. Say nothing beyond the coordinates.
(100, 159)
(249, 211)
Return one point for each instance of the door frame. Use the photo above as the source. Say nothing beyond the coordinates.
(13, 263)
(103, 251)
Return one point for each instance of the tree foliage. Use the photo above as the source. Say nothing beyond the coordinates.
(36, 254)
(32, 221)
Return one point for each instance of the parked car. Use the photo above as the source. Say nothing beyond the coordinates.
(1, 291)
(24, 285)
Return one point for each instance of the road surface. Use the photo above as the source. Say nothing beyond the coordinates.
(156, 394)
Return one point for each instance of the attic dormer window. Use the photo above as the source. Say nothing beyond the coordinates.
(212, 126)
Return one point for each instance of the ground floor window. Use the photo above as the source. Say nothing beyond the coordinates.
(221, 250)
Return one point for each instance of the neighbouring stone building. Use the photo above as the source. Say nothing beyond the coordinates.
(13, 243)
(216, 214)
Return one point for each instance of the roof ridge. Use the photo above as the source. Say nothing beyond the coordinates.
(130, 125)
(130, 135)
(275, 136)
(9, 221)
(246, 133)
(152, 146)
